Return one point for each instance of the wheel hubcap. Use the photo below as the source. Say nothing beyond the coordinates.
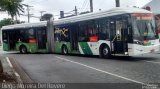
(65, 51)
(23, 50)
(105, 51)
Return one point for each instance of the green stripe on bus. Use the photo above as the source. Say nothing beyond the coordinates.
(85, 48)
(5, 47)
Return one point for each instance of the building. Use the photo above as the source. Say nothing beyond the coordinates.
(154, 6)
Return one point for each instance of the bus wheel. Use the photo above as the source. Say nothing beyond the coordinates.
(64, 50)
(23, 50)
(105, 52)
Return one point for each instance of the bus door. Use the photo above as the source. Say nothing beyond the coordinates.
(5, 39)
(119, 35)
(74, 37)
(41, 38)
(12, 38)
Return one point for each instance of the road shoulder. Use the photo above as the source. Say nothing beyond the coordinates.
(18, 68)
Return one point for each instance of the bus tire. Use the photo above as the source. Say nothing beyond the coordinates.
(64, 50)
(104, 51)
(23, 49)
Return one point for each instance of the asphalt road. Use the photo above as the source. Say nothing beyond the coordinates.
(55, 68)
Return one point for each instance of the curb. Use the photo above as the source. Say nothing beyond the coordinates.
(19, 69)
(9, 69)
(1, 69)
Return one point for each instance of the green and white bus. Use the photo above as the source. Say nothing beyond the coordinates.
(119, 31)
(25, 38)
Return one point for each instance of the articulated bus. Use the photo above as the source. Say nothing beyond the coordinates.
(25, 38)
(119, 31)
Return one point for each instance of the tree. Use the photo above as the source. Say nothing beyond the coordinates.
(46, 17)
(5, 22)
(8, 21)
(13, 7)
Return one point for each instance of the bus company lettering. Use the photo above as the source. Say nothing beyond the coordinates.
(61, 31)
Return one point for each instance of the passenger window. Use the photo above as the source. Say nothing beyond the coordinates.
(24, 35)
(104, 29)
(4, 36)
(83, 31)
(31, 33)
(92, 30)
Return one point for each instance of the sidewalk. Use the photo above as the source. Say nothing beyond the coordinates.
(18, 68)
(11, 73)
(5, 72)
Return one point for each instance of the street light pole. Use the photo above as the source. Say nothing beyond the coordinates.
(76, 11)
(91, 5)
(28, 11)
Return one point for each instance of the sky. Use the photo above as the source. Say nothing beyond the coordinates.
(54, 6)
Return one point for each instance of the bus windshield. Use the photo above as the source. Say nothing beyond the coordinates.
(144, 27)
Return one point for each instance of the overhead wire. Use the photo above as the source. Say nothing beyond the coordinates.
(36, 1)
(83, 5)
(87, 5)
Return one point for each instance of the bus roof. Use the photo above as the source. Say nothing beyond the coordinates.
(111, 12)
(25, 25)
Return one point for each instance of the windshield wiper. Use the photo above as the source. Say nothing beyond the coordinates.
(146, 28)
(141, 37)
(149, 29)
(153, 29)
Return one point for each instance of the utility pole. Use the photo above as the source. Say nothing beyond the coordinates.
(117, 3)
(28, 11)
(91, 5)
(31, 16)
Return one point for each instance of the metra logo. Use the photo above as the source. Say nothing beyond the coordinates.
(61, 31)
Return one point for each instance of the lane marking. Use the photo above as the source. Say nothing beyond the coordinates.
(9, 62)
(100, 70)
(153, 62)
(17, 74)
